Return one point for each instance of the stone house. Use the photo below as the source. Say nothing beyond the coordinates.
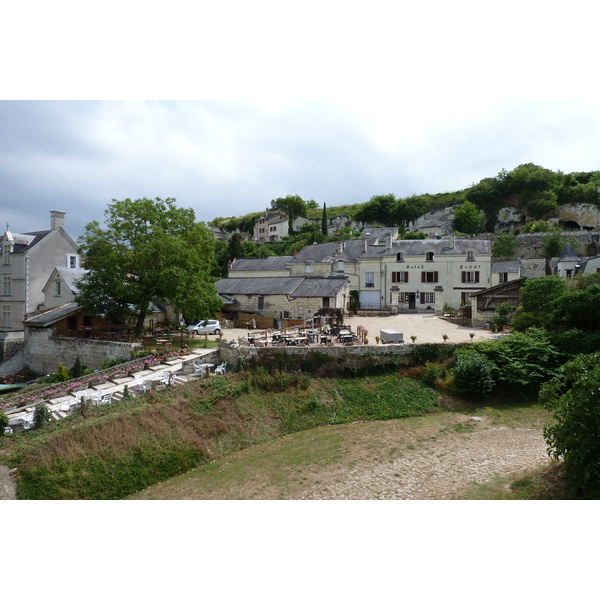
(402, 275)
(504, 271)
(284, 297)
(27, 259)
(271, 227)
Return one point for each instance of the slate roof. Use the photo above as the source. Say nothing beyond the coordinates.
(25, 241)
(568, 255)
(52, 315)
(354, 250)
(71, 277)
(271, 263)
(506, 266)
(281, 286)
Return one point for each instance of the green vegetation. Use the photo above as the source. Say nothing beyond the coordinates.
(149, 250)
(573, 396)
(505, 246)
(110, 452)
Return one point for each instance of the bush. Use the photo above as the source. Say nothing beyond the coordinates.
(574, 398)
(41, 416)
(472, 374)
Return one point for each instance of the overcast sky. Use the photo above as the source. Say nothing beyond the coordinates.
(335, 103)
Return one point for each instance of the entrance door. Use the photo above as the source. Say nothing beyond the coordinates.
(412, 302)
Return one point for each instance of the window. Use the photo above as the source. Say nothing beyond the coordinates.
(403, 297)
(6, 286)
(465, 298)
(87, 321)
(72, 261)
(502, 277)
(470, 276)
(57, 291)
(72, 323)
(6, 254)
(429, 277)
(429, 257)
(326, 302)
(470, 255)
(370, 279)
(427, 298)
(399, 276)
(400, 257)
(6, 316)
(308, 268)
(340, 266)
(261, 302)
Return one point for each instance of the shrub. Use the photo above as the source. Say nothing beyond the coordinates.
(574, 398)
(41, 416)
(472, 374)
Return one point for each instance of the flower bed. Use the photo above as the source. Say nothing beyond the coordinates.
(97, 378)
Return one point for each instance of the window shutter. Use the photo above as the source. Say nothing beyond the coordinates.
(393, 276)
(435, 277)
(464, 277)
(422, 276)
(422, 297)
(476, 276)
(406, 277)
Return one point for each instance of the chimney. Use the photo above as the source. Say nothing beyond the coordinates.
(451, 240)
(389, 240)
(57, 219)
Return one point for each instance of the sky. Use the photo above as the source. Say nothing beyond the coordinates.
(334, 102)
(227, 106)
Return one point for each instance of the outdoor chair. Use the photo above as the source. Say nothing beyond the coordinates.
(8, 430)
(104, 398)
(166, 378)
(143, 384)
(221, 369)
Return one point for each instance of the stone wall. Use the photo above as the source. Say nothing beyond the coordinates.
(231, 353)
(44, 352)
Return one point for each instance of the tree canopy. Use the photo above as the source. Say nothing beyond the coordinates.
(467, 218)
(149, 250)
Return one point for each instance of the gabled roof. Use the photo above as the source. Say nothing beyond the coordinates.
(506, 266)
(69, 276)
(296, 287)
(271, 263)
(25, 241)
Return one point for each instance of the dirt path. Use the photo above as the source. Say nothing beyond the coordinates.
(442, 468)
(8, 485)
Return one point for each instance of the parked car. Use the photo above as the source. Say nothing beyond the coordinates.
(209, 326)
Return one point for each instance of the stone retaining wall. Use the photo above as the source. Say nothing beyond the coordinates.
(44, 352)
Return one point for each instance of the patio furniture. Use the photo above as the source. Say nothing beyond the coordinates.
(166, 378)
(104, 397)
(221, 369)
(8, 430)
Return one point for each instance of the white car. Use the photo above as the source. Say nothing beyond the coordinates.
(209, 326)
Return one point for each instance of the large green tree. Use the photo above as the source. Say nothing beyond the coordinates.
(467, 218)
(148, 250)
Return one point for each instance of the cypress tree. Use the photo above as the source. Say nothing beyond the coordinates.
(324, 220)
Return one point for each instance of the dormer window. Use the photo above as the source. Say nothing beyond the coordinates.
(429, 257)
(308, 268)
(6, 249)
(400, 257)
(340, 266)
(57, 284)
(470, 255)
(72, 261)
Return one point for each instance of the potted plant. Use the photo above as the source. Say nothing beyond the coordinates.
(413, 338)
(445, 337)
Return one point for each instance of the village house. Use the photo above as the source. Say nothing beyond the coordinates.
(271, 227)
(504, 271)
(284, 297)
(27, 259)
(389, 274)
